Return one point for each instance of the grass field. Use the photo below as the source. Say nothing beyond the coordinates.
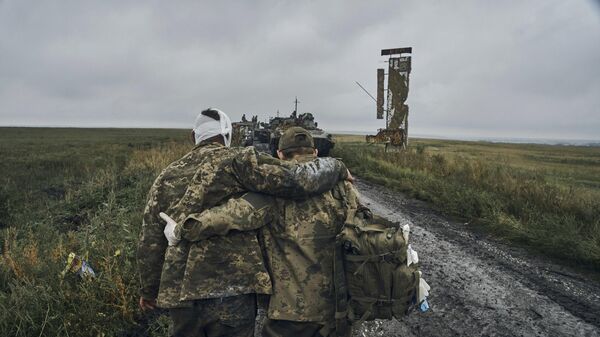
(83, 191)
(542, 197)
(80, 191)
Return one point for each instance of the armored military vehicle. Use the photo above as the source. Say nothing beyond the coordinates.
(252, 133)
(323, 140)
(265, 136)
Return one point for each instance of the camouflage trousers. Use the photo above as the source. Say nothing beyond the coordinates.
(281, 328)
(220, 317)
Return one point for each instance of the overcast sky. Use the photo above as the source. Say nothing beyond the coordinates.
(480, 68)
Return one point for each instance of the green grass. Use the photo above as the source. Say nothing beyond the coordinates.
(83, 191)
(545, 198)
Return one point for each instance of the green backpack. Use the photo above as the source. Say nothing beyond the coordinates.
(378, 282)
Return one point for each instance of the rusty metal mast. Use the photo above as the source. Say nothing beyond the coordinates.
(393, 98)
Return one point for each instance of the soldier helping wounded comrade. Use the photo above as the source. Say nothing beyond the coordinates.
(299, 241)
(209, 286)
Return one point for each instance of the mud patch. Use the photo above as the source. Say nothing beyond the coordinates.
(481, 287)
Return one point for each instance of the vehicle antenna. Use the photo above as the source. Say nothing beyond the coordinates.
(296, 104)
(365, 90)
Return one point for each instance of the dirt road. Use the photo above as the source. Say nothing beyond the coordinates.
(481, 287)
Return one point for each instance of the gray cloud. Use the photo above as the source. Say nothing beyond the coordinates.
(510, 68)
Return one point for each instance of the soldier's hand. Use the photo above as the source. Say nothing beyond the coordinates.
(146, 304)
(170, 229)
(350, 178)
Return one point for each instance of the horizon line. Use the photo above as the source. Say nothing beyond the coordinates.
(346, 132)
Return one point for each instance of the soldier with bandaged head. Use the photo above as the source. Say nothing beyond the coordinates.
(210, 286)
(299, 238)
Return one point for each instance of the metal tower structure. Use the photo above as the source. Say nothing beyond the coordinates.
(391, 100)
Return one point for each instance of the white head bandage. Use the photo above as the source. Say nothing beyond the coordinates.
(207, 127)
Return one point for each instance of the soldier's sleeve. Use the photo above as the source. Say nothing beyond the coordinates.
(355, 210)
(265, 174)
(152, 244)
(248, 212)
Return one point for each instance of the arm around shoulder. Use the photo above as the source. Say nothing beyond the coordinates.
(265, 174)
(248, 212)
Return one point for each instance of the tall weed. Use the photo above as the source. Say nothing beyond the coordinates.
(522, 205)
(86, 199)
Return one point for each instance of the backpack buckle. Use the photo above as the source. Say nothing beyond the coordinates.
(383, 302)
(387, 257)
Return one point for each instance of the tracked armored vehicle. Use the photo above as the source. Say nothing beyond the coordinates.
(323, 140)
(252, 133)
(265, 136)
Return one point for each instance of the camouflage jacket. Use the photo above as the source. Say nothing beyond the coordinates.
(222, 266)
(299, 244)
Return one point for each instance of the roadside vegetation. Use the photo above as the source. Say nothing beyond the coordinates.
(545, 198)
(78, 191)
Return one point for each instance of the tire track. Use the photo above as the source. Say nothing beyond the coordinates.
(480, 287)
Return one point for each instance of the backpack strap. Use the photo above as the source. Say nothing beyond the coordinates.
(366, 228)
(371, 302)
(373, 257)
(341, 291)
(339, 275)
(369, 258)
(380, 301)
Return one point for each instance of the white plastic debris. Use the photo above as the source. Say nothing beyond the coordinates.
(79, 266)
(424, 306)
(423, 290)
(86, 270)
(405, 232)
(411, 256)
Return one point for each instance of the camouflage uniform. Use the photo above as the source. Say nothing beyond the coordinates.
(222, 266)
(299, 243)
(229, 316)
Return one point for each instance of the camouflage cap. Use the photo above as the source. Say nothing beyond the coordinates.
(295, 137)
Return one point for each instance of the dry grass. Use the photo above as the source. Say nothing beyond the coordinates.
(522, 193)
(155, 159)
(83, 191)
(79, 191)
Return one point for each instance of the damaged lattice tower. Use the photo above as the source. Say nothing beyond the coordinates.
(391, 102)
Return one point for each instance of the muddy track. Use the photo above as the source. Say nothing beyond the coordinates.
(481, 287)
